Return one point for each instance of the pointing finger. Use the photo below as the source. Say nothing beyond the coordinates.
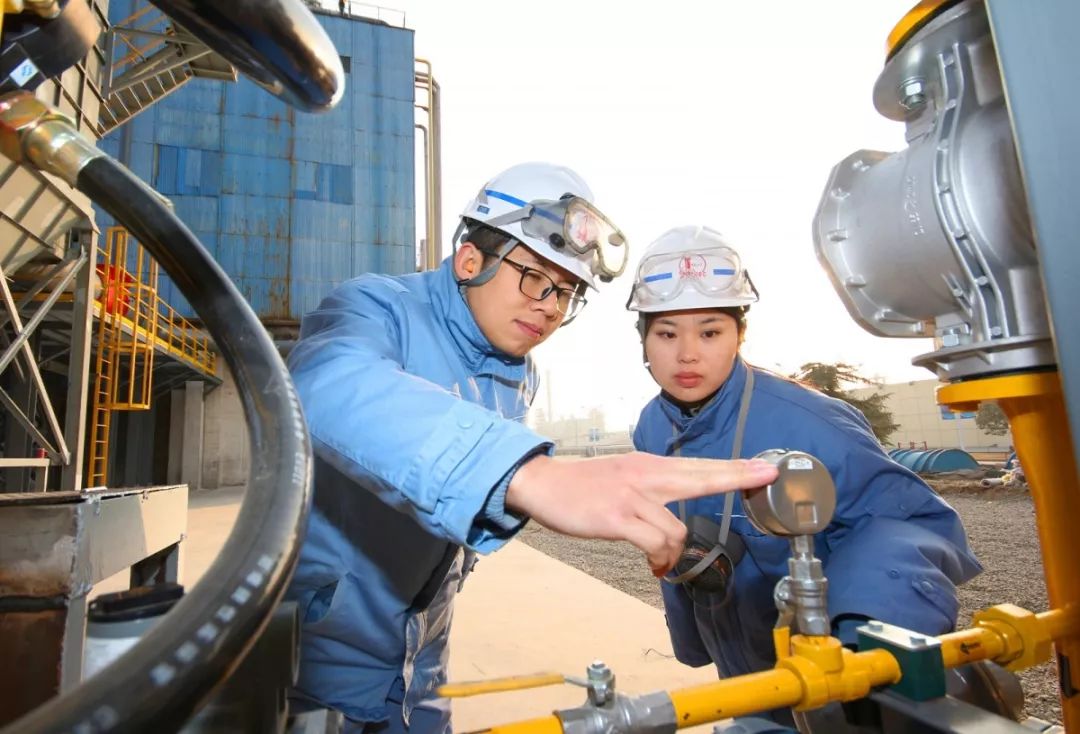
(689, 478)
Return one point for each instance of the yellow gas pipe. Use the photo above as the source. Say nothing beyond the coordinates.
(818, 671)
(813, 671)
(543, 725)
(1035, 408)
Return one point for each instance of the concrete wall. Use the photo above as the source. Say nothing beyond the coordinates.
(226, 455)
(208, 437)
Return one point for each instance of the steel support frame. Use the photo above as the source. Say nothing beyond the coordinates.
(78, 377)
(53, 548)
(61, 442)
(188, 49)
(1039, 56)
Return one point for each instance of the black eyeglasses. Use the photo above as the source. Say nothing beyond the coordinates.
(538, 285)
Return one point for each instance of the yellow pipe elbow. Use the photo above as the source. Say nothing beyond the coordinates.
(543, 725)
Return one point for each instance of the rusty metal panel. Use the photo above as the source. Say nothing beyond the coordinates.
(27, 639)
(53, 549)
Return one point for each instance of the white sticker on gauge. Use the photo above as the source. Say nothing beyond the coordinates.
(23, 73)
(800, 463)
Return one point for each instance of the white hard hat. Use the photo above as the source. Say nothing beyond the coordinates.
(690, 267)
(549, 209)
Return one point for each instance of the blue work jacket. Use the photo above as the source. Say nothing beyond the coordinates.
(415, 420)
(894, 550)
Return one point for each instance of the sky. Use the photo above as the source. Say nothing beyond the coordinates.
(725, 113)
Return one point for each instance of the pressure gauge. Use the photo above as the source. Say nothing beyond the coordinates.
(801, 501)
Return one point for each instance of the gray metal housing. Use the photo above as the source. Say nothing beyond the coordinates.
(934, 240)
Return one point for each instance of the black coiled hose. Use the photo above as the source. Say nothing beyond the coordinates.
(164, 678)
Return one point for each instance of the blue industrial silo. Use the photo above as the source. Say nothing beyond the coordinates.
(290, 204)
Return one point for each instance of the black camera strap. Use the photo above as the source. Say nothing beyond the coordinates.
(736, 449)
(720, 547)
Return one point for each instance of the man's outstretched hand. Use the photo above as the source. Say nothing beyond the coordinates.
(623, 497)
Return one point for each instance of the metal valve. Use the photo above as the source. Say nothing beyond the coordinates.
(798, 504)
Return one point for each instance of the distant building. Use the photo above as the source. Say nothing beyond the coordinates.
(579, 433)
(925, 424)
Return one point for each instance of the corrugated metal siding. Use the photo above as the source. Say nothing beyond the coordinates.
(289, 204)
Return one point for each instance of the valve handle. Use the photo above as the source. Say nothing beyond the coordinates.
(501, 685)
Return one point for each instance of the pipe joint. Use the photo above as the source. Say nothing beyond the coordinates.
(31, 130)
(1026, 639)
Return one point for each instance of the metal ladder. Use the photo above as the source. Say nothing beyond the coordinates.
(126, 333)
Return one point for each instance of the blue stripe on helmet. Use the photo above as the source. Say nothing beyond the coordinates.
(723, 271)
(658, 276)
(505, 197)
(520, 202)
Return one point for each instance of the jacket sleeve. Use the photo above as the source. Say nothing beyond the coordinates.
(638, 439)
(897, 551)
(418, 447)
(682, 627)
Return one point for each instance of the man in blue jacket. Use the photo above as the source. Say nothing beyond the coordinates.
(894, 551)
(414, 389)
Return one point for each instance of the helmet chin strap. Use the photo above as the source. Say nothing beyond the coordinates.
(641, 333)
(489, 272)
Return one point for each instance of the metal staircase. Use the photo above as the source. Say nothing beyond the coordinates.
(133, 324)
(125, 362)
(147, 57)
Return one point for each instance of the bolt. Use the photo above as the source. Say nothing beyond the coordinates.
(597, 670)
(601, 683)
(950, 338)
(912, 94)
(918, 640)
(875, 626)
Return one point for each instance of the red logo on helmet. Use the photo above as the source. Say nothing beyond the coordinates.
(692, 266)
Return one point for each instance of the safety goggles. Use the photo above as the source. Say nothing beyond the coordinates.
(573, 223)
(713, 272)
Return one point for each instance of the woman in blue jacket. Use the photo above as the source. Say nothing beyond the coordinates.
(894, 550)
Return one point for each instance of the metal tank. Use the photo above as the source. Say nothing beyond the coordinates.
(290, 204)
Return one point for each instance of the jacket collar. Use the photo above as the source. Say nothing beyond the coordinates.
(474, 349)
(715, 416)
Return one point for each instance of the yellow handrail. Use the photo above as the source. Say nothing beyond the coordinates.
(134, 322)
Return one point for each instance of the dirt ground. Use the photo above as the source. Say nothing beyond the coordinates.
(1001, 527)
